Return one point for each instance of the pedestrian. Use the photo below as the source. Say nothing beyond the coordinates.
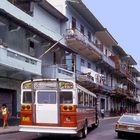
(4, 111)
(102, 113)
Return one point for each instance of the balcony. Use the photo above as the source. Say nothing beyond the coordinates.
(119, 91)
(11, 59)
(106, 61)
(90, 78)
(58, 71)
(120, 67)
(80, 43)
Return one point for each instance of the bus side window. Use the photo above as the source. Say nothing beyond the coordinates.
(94, 101)
(80, 97)
(90, 101)
(86, 99)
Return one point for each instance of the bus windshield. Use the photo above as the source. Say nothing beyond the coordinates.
(66, 97)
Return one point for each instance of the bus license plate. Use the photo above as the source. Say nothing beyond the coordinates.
(25, 119)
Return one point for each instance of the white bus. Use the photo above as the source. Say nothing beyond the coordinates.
(57, 106)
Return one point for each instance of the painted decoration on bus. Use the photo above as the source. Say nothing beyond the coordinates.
(47, 85)
(65, 85)
(27, 85)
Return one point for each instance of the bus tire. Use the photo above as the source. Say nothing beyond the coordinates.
(84, 131)
(96, 124)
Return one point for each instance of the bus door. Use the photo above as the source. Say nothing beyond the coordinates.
(46, 107)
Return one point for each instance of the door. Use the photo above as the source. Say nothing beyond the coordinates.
(46, 107)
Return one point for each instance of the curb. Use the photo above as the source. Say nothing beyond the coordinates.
(9, 129)
(107, 118)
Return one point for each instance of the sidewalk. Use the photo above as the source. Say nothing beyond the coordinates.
(12, 128)
(106, 118)
(9, 129)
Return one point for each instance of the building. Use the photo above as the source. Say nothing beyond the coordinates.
(55, 39)
(24, 37)
(101, 65)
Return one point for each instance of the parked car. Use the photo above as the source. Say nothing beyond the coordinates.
(128, 123)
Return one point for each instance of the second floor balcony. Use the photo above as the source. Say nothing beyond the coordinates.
(79, 42)
(57, 71)
(92, 79)
(106, 61)
(11, 59)
(119, 91)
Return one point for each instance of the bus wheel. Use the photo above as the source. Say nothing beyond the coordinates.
(96, 123)
(84, 131)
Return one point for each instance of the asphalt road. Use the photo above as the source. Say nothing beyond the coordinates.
(105, 131)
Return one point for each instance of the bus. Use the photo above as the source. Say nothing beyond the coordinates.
(57, 106)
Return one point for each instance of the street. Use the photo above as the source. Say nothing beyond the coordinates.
(105, 131)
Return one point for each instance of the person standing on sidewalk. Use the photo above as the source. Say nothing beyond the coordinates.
(4, 111)
(102, 113)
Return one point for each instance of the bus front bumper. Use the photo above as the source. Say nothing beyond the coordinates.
(45, 129)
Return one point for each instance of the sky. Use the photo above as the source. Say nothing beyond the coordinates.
(122, 20)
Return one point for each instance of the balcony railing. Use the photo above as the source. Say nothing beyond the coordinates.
(82, 44)
(90, 75)
(13, 59)
(119, 90)
(58, 71)
(108, 61)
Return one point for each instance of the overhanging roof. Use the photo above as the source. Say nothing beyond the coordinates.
(52, 10)
(124, 56)
(119, 50)
(80, 7)
(135, 71)
(130, 60)
(106, 38)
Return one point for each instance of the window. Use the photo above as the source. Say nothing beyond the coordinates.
(86, 99)
(24, 5)
(94, 101)
(82, 29)
(106, 52)
(89, 35)
(27, 97)
(73, 23)
(89, 65)
(31, 48)
(82, 62)
(80, 97)
(45, 97)
(90, 101)
(66, 97)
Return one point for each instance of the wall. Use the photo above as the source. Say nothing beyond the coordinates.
(46, 20)
(12, 85)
